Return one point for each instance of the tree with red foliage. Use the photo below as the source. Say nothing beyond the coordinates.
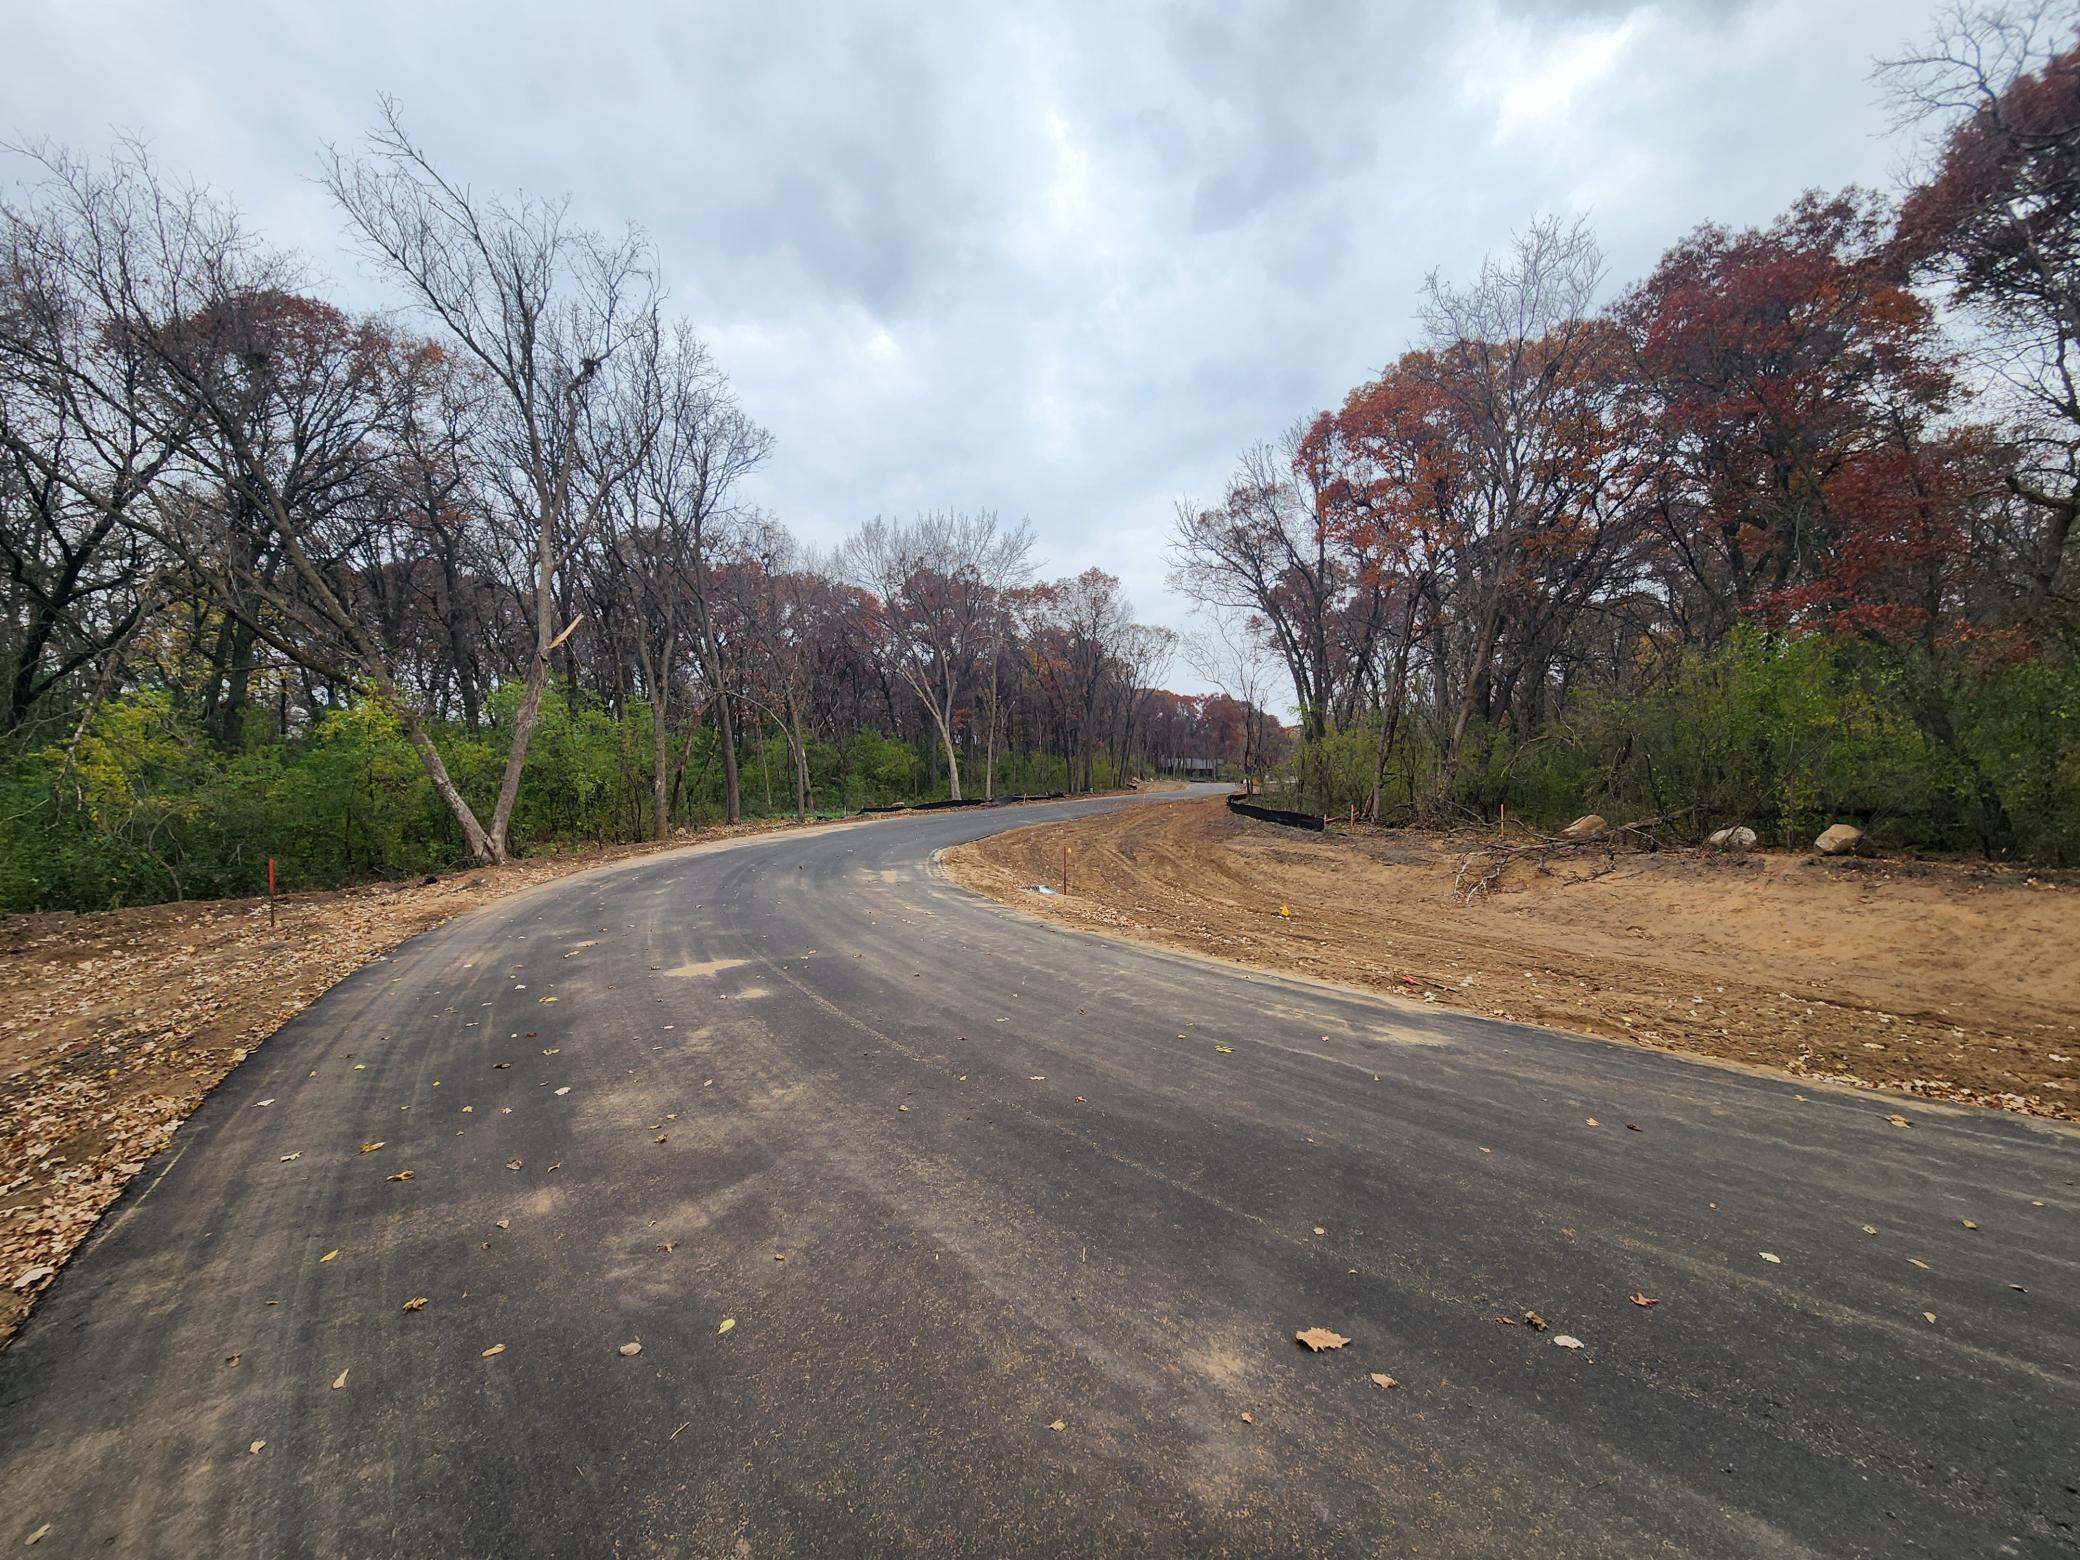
(1998, 220)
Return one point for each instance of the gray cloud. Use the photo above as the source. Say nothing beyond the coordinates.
(1059, 261)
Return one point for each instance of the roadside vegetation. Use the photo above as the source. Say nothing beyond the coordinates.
(379, 594)
(1781, 535)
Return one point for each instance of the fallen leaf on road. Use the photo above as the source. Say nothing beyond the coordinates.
(1505, 1321)
(1929, 1317)
(504, 1224)
(266, 1102)
(1534, 1321)
(339, 1381)
(1968, 1224)
(628, 1350)
(1081, 1100)
(254, 1449)
(1320, 1338)
(1870, 1229)
(1381, 1380)
(1921, 1265)
(1225, 1050)
(899, 1107)
(1899, 1121)
(500, 1066)
(564, 1090)
(666, 1246)
(1771, 1256)
(402, 1175)
(370, 1148)
(416, 1303)
(1562, 1341)
(514, 1164)
(1249, 1419)
(1037, 1078)
(1643, 1301)
(1319, 1230)
(1058, 1427)
(287, 1158)
(545, 1000)
(727, 1323)
(37, 1536)
(496, 1348)
(329, 1256)
(1592, 1121)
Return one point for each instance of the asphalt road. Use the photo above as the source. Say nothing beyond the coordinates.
(1023, 1178)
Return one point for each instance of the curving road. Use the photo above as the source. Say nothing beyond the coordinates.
(1018, 1183)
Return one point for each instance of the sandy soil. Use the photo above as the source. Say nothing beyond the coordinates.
(1944, 980)
(113, 1026)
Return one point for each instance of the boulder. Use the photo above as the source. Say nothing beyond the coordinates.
(1586, 827)
(1839, 839)
(1738, 837)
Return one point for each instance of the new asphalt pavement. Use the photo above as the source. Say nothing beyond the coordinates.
(944, 1231)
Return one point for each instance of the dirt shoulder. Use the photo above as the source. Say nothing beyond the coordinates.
(1944, 980)
(113, 1026)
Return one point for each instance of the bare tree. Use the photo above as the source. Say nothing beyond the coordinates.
(937, 584)
(544, 307)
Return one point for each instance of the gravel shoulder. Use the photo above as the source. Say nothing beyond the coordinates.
(1941, 980)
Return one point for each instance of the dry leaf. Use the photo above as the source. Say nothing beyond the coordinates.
(328, 1256)
(779, 1256)
(727, 1323)
(254, 1449)
(370, 1148)
(1058, 1427)
(1249, 1419)
(503, 1223)
(1534, 1321)
(290, 1158)
(1381, 1380)
(563, 1091)
(1592, 1121)
(629, 1350)
(1870, 1229)
(1505, 1321)
(1921, 1265)
(1562, 1341)
(513, 1164)
(37, 1536)
(1225, 1050)
(402, 1175)
(1968, 1224)
(1641, 1300)
(1319, 1230)
(1771, 1256)
(546, 1000)
(339, 1381)
(899, 1107)
(1320, 1338)
(496, 1348)
(233, 1359)
(416, 1303)
(1899, 1121)
(1929, 1317)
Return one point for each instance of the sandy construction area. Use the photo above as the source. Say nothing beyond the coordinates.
(1944, 980)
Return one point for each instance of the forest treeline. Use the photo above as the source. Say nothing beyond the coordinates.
(1782, 535)
(374, 597)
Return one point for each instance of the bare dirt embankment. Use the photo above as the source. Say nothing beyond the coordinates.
(113, 1026)
(1945, 980)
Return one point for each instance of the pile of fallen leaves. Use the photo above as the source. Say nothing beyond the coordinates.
(113, 1026)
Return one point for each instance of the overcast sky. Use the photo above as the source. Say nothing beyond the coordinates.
(1061, 261)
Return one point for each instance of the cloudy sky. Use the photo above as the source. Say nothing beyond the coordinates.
(1061, 261)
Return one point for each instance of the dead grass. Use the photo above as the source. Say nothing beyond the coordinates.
(1944, 980)
(117, 1024)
